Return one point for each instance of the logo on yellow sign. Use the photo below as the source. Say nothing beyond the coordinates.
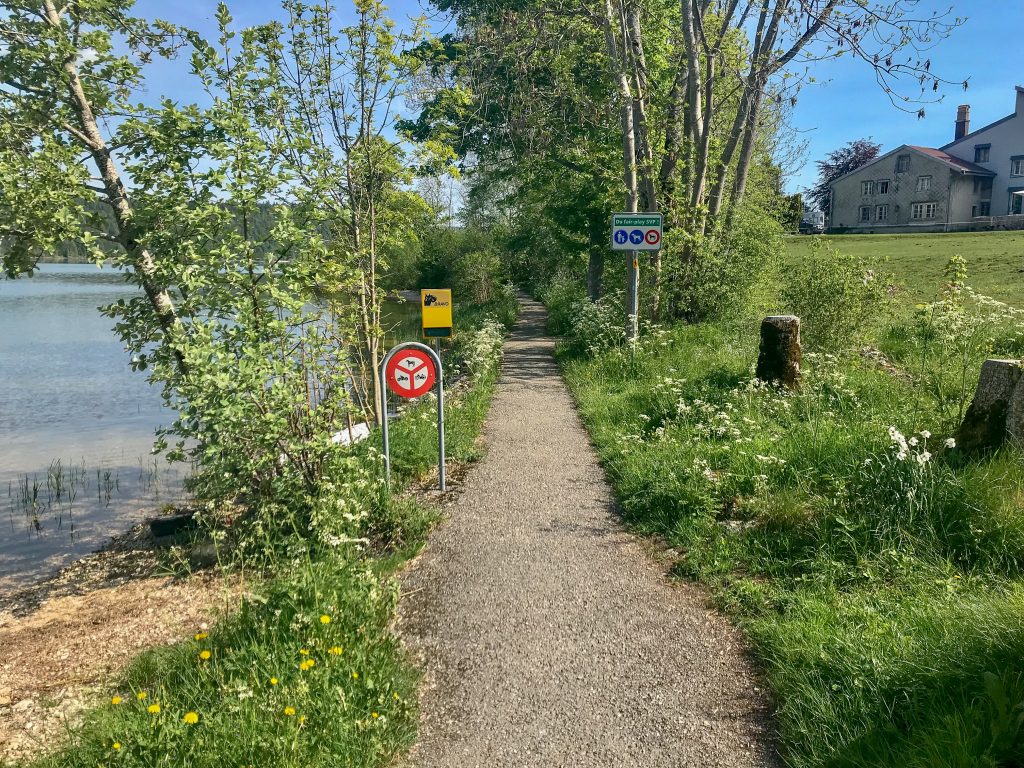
(436, 304)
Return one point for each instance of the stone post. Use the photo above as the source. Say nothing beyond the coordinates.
(997, 410)
(778, 361)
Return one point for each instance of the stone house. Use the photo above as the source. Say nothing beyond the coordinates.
(974, 182)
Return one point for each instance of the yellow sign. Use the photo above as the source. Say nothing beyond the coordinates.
(437, 312)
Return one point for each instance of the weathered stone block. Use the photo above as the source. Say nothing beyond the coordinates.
(778, 361)
(997, 409)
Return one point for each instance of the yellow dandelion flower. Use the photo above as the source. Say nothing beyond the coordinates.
(335, 651)
(116, 745)
(304, 651)
(204, 655)
(153, 709)
(325, 619)
(302, 719)
(202, 635)
(289, 711)
(307, 664)
(141, 695)
(191, 718)
(116, 700)
(273, 681)
(374, 715)
(355, 675)
(396, 697)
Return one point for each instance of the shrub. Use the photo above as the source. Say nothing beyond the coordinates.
(835, 296)
(596, 326)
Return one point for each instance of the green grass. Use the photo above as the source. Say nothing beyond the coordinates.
(995, 259)
(884, 598)
(307, 671)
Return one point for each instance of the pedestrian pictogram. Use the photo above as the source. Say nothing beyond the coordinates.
(621, 237)
(410, 373)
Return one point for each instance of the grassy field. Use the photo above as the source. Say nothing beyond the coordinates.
(877, 569)
(995, 260)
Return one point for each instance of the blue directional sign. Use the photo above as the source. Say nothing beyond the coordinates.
(636, 231)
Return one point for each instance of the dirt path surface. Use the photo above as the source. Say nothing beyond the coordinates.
(548, 635)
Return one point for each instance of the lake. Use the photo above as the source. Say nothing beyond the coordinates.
(76, 424)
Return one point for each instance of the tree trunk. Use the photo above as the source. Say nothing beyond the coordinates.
(140, 258)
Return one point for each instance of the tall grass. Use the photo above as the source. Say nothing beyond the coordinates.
(879, 573)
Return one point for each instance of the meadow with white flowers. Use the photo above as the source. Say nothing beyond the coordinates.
(877, 570)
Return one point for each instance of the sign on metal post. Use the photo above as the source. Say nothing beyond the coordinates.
(410, 370)
(636, 231)
(436, 305)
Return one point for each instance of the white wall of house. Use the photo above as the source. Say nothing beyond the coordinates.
(1005, 140)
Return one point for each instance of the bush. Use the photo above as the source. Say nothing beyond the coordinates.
(596, 326)
(835, 296)
(561, 296)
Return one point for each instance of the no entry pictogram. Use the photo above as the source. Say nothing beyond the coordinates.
(410, 373)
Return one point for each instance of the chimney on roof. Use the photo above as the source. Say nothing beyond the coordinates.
(1020, 101)
(963, 120)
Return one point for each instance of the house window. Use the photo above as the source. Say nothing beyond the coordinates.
(881, 212)
(922, 211)
(974, 211)
(985, 208)
(1017, 165)
(982, 152)
(924, 183)
(883, 187)
(867, 187)
(865, 213)
(902, 163)
(1016, 201)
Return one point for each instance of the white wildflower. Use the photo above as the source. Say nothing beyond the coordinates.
(950, 442)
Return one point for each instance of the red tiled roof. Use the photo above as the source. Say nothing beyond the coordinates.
(955, 162)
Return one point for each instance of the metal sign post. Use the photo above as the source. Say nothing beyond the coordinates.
(409, 376)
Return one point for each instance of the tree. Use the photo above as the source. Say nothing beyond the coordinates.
(855, 154)
(63, 80)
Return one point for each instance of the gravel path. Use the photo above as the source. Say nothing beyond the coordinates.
(548, 636)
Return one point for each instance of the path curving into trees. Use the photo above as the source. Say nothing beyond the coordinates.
(547, 634)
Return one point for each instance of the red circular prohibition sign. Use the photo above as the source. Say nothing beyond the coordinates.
(410, 373)
(652, 237)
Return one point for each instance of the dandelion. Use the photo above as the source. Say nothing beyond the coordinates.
(273, 681)
(202, 635)
(141, 695)
(116, 745)
(153, 709)
(335, 650)
(302, 719)
(304, 651)
(325, 619)
(191, 718)
(204, 655)
(355, 675)
(374, 715)
(116, 700)
(396, 696)
(307, 664)
(289, 711)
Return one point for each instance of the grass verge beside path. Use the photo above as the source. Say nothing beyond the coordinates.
(306, 672)
(878, 574)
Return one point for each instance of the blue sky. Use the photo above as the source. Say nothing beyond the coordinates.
(850, 105)
(845, 104)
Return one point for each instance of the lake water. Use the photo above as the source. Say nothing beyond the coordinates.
(76, 424)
